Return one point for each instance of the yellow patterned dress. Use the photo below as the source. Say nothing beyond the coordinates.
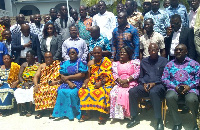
(22, 94)
(98, 99)
(45, 98)
(7, 77)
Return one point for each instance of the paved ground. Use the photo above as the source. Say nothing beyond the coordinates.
(16, 122)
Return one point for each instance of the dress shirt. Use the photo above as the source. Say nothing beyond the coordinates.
(78, 43)
(24, 40)
(192, 17)
(48, 43)
(186, 73)
(175, 41)
(129, 37)
(180, 10)
(151, 70)
(145, 41)
(161, 21)
(106, 22)
(37, 30)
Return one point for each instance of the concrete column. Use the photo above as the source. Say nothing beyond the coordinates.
(8, 7)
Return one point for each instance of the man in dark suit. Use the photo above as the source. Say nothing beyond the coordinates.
(24, 41)
(177, 34)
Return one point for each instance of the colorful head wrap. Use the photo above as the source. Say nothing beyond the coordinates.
(72, 48)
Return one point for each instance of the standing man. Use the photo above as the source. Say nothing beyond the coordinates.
(179, 34)
(63, 23)
(160, 18)
(24, 41)
(53, 14)
(176, 8)
(150, 85)
(134, 18)
(125, 35)
(105, 20)
(16, 28)
(151, 37)
(146, 6)
(76, 42)
(193, 13)
(37, 27)
(181, 77)
(166, 3)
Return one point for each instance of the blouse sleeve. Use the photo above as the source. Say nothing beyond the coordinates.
(82, 67)
(114, 69)
(62, 67)
(136, 64)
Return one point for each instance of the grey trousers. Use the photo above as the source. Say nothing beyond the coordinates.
(191, 101)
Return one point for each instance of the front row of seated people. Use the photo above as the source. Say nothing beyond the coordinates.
(112, 88)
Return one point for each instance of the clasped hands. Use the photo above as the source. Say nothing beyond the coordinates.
(65, 79)
(123, 83)
(148, 86)
(185, 90)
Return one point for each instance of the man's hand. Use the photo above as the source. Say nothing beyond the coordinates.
(14, 84)
(28, 44)
(98, 85)
(53, 83)
(148, 86)
(36, 87)
(84, 86)
(64, 78)
(186, 89)
(169, 31)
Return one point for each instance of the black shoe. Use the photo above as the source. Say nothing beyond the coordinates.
(132, 123)
(196, 127)
(177, 127)
(160, 125)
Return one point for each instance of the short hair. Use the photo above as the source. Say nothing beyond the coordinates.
(128, 51)
(7, 55)
(53, 9)
(73, 26)
(151, 20)
(6, 30)
(101, 1)
(176, 16)
(32, 52)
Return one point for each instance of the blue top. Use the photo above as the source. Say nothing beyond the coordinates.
(151, 70)
(185, 73)
(3, 51)
(71, 68)
(129, 37)
(161, 21)
(180, 10)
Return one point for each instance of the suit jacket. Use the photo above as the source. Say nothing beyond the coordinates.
(55, 47)
(187, 38)
(17, 47)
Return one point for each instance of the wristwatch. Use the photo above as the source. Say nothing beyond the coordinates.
(49, 82)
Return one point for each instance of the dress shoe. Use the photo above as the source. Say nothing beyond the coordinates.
(196, 127)
(177, 127)
(160, 126)
(132, 123)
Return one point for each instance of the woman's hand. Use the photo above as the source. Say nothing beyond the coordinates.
(98, 85)
(71, 85)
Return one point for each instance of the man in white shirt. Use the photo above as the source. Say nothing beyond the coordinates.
(76, 42)
(192, 14)
(24, 41)
(105, 20)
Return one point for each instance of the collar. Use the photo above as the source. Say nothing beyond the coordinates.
(22, 35)
(74, 39)
(158, 12)
(187, 59)
(195, 11)
(173, 8)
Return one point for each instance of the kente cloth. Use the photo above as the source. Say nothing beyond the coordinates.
(22, 94)
(8, 76)
(98, 99)
(45, 97)
(68, 102)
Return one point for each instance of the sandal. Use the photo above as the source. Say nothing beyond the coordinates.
(28, 114)
(38, 116)
(84, 118)
(102, 120)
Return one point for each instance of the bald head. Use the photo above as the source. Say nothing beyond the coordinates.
(97, 48)
(95, 32)
(97, 53)
(25, 29)
(153, 51)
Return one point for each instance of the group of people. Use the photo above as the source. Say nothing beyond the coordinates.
(102, 62)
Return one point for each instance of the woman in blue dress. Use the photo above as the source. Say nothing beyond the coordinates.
(72, 73)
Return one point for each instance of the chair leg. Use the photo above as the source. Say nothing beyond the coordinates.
(165, 110)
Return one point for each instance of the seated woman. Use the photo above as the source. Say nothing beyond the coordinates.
(72, 74)
(51, 42)
(94, 94)
(24, 92)
(125, 72)
(8, 81)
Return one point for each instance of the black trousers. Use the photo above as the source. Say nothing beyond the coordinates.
(191, 100)
(156, 94)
